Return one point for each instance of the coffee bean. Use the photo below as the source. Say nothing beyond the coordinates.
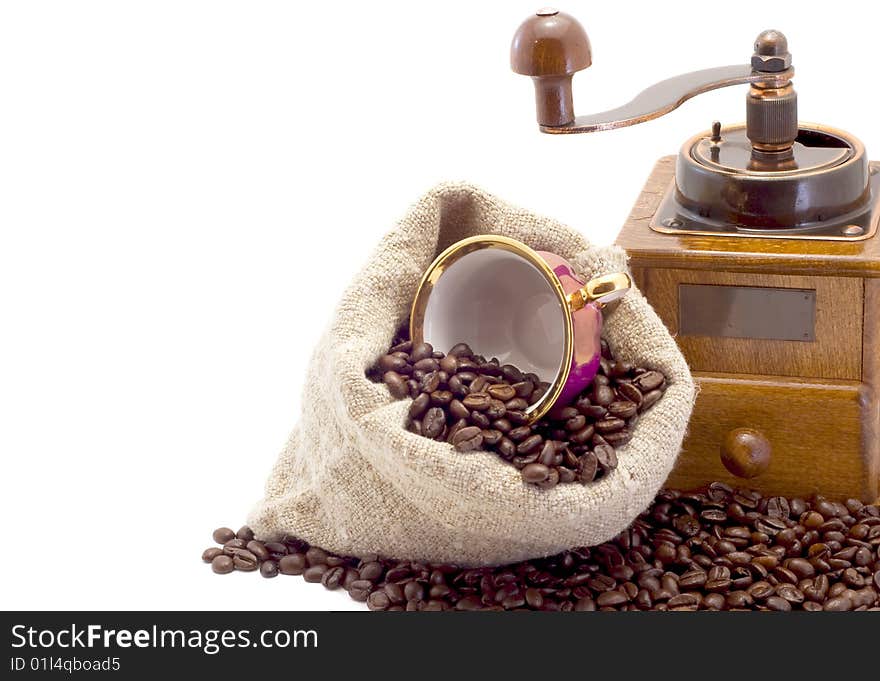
(233, 545)
(529, 445)
(244, 533)
(210, 554)
(469, 603)
(630, 392)
(606, 457)
(784, 575)
(761, 590)
(548, 454)
(223, 534)
(537, 394)
(316, 556)
(393, 363)
(790, 593)
(430, 382)
(602, 395)
(837, 589)
(315, 573)
(618, 438)
(378, 600)
(441, 398)
(419, 406)
(294, 564)
(245, 561)
(480, 420)
(684, 600)
(523, 389)
(458, 410)
(332, 578)
(395, 594)
(714, 601)
(479, 385)
(519, 433)
(587, 467)
(609, 425)
(371, 571)
(433, 423)
(295, 544)
(496, 410)
(360, 590)
(692, 579)
(421, 351)
(648, 381)
(838, 604)
(502, 392)
(428, 365)
(269, 569)
(535, 473)
(713, 515)
(583, 436)
(623, 409)
(779, 604)
(461, 350)
(611, 598)
(468, 439)
(413, 591)
(778, 507)
(551, 480)
(506, 448)
(222, 564)
(566, 475)
(853, 579)
(491, 437)
(397, 384)
(718, 580)
(517, 404)
(477, 401)
(259, 549)
(585, 604)
(466, 376)
(397, 573)
(650, 399)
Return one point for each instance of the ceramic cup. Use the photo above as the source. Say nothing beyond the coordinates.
(525, 307)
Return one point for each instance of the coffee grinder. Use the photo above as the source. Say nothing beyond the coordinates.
(757, 245)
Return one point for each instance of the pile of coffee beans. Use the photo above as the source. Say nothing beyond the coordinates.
(718, 549)
(474, 403)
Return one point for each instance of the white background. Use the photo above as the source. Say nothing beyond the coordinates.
(185, 188)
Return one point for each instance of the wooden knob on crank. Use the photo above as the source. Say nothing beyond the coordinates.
(550, 47)
(745, 452)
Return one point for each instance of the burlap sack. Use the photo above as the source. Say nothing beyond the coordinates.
(351, 479)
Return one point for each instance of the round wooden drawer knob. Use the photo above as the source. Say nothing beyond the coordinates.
(745, 452)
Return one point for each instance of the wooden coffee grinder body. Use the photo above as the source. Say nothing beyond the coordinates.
(814, 405)
(758, 247)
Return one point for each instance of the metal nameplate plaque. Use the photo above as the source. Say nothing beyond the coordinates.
(747, 312)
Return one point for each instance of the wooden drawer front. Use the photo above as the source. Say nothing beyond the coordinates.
(835, 353)
(815, 430)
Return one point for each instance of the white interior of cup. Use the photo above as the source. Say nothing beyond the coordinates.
(502, 306)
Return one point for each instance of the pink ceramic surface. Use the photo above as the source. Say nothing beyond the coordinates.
(587, 323)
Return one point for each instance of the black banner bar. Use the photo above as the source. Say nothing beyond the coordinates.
(134, 644)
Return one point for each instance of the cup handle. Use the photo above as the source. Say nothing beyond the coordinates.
(601, 290)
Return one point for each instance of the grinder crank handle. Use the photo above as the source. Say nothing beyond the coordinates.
(660, 99)
(552, 46)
